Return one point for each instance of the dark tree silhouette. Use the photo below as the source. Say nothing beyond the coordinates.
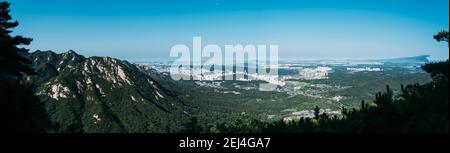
(442, 36)
(20, 109)
(12, 62)
(438, 70)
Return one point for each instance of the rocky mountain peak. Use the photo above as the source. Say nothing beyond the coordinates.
(102, 87)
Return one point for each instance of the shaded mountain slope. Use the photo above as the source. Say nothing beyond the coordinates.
(103, 94)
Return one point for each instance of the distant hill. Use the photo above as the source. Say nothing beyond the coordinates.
(413, 59)
(421, 59)
(103, 94)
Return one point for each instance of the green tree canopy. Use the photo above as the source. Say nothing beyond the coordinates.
(12, 61)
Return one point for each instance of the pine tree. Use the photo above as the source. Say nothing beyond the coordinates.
(12, 62)
(316, 112)
(20, 110)
(363, 106)
(442, 36)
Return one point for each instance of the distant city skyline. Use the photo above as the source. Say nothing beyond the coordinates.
(138, 30)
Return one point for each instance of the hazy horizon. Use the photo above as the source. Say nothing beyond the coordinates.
(141, 30)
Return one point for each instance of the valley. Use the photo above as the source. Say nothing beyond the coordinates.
(330, 85)
(103, 94)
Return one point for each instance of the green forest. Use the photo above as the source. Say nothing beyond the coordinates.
(417, 108)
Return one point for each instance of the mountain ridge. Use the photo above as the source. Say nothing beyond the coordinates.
(103, 94)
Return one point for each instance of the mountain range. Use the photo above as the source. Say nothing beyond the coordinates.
(103, 94)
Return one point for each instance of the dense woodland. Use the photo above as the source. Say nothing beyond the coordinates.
(416, 109)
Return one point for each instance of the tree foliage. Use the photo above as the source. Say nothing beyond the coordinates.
(416, 109)
(12, 61)
(442, 36)
(20, 109)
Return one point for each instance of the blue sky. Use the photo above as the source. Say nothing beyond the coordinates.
(326, 29)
